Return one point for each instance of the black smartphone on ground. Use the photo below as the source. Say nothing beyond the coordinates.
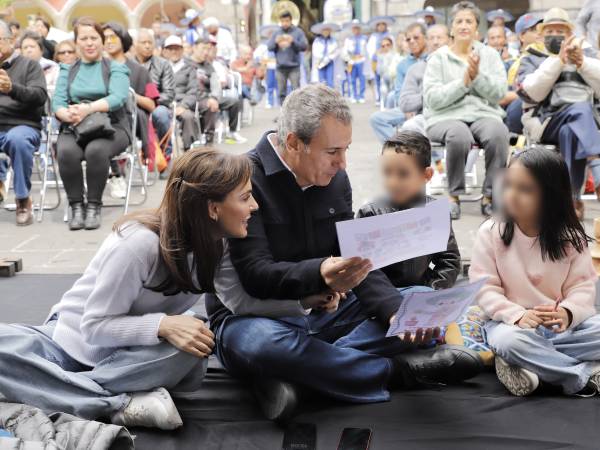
(300, 436)
(355, 439)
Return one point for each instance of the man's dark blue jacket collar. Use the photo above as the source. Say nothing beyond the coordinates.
(269, 160)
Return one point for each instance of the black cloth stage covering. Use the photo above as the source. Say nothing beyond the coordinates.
(223, 415)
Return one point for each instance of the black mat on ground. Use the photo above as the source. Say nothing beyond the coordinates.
(223, 415)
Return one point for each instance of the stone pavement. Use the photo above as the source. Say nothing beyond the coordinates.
(49, 247)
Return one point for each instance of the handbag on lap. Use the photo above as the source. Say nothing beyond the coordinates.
(93, 126)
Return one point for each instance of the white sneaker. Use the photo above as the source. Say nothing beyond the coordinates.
(361, 100)
(154, 409)
(117, 187)
(518, 381)
(353, 100)
(236, 138)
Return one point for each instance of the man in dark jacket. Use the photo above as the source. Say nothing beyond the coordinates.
(162, 75)
(186, 90)
(22, 98)
(287, 43)
(302, 190)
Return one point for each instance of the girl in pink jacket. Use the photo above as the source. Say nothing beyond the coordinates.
(540, 290)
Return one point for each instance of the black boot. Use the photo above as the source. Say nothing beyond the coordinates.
(278, 399)
(92, 216)
(77, 221)
(446, 364)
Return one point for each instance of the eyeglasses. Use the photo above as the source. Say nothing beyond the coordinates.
(65, 52)
(111, 37)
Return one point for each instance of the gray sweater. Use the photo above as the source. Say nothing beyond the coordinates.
(288, 57)
(110, 306)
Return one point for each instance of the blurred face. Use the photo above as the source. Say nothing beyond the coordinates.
(156, 28)
(65, 54)
(31, 49)
(529, 36)
(213, 29)
(173, 53)
(498, 22)
(144, 45)
(403, 178)
(112, 43)
(286, 22)
(234, 212)
(6, 46)
(556, 30)
(521, 197)
(40, 28)
(496, 38)
(89, 43)
(356, 31)
(245, 54)
(319, 161)
(199, 52)
(326, 33)
(386, 45)
(464, 26)
(437, 37)
(416, 41)
(381, 27)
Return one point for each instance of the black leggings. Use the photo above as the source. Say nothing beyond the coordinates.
(97, 155)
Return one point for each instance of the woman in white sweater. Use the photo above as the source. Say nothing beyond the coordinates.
(120, 339)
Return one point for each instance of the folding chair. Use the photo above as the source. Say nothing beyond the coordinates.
(132, 158)
(44, 168)
(471, 177)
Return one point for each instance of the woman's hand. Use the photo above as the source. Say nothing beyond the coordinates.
(550, 317)
(327, 301)
(188, 334)
(80, 111)
(529, 320)
(473, 69)
(65, 115)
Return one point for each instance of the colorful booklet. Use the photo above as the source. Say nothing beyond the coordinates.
(433, 309)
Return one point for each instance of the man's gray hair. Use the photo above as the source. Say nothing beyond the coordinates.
(303, 110)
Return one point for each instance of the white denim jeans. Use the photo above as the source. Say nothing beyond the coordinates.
(565, 359)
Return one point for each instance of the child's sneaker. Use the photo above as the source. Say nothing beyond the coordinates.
(518, 381)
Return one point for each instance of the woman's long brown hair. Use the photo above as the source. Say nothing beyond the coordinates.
(182, 222)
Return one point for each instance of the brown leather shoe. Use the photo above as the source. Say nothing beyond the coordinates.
(24, 212)
(579, 209)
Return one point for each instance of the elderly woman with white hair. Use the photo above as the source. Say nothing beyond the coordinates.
(225, 44)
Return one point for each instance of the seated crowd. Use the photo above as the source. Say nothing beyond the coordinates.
(101, 73)
(286, 312)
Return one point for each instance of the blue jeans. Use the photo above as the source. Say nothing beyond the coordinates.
(576, 133)
(271, 87)
(20, 143)
(384, 123)
(36, 371)
(514, 113)
(358, 75)
(565, 359)
(344, 354)
(161, 118)
(326, 74)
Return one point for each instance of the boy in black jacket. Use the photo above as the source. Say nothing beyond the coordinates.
(406, 167)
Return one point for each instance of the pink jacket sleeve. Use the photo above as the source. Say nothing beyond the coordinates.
(491, 298)
(579, 289)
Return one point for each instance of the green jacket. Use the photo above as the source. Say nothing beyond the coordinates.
(445, 95)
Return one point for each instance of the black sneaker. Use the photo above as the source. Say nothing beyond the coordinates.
(487, 208)
(277, 399)
(446, 364)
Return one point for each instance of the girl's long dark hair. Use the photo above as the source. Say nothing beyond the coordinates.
(559, 226)
(182, 222)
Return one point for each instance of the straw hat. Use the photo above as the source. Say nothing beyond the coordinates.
(556, 16)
